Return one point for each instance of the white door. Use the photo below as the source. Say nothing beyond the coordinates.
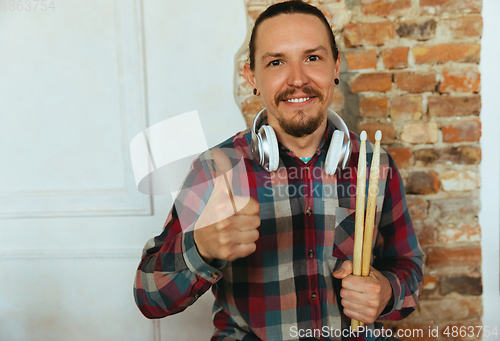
(78, 80)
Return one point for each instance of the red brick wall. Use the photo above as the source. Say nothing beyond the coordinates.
(411, 69)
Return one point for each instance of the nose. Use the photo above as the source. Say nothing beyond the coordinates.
(297, 75)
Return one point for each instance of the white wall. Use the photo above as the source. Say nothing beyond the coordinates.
(490, 165)
(77, 83)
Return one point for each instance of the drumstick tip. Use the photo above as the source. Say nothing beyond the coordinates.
(363, 136)
(378, 135)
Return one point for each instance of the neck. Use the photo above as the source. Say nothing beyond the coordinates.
(304, 146)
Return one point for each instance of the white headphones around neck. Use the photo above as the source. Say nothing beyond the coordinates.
(265, 152)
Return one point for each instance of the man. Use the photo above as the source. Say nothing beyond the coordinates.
(280, 267)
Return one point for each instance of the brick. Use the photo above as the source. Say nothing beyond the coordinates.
(396, 58)
(249, 120)
(427, 132)
(426, 235)
(337, 18)
(252, 105)
(418, 30)
(466, 26)
(453, 308)
(462, 155)
(462, 284)
(465, 180)
(255, 2)
(405, 108)
(385, 7)
(465, 232)
(460, 81)
(430, 282)
(465, 154)
(462, 131)
(368, 34)
(417, 207)
(359, 60)
(401, 156)
(415, 82)
(374, 107)
(448, 106)
(454, 210)
(387, 130)
(422, 183)
(254, 12)
(450, 6)
(338, 100)
(372, 82)
(467, 53)
(444, 257)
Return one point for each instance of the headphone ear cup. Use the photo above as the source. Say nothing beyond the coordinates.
(334, 152)
(269, 148)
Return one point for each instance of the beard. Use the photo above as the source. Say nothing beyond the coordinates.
(306, 125)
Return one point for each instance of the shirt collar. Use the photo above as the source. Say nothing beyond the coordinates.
(323, 145)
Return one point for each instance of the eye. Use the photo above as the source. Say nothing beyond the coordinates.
(313, 58)
(275, 62)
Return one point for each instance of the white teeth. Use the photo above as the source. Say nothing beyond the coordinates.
(298, 100)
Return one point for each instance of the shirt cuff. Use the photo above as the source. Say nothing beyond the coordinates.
(397, 292)
(210, 272)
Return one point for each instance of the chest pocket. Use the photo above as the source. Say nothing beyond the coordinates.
(343, 244)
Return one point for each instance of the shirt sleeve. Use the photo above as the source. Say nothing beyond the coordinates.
(397, 253)
(172, 274)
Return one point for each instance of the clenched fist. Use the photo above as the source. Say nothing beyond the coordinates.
(363, 298)
(228, 226)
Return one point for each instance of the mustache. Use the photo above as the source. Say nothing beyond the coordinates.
(307, 90)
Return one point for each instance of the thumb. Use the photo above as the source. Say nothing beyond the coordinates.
(224, 171)
(344, 270)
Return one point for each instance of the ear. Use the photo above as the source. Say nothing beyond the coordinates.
(249, 76)
(337, 67)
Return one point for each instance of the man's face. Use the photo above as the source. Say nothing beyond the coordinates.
(294, 72)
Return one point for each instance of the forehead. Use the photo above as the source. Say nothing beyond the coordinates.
(291, 31)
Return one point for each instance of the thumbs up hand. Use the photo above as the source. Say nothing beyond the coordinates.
(223, 231)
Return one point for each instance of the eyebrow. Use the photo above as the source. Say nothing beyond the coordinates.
(317, 48)
(279, 55)
(272, 54)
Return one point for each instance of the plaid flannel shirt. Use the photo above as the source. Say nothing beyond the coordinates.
(285, 289)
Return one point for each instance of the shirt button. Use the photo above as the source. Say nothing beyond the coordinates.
(307, 169)
(196, 296)
(215, 275)
(309, 211)
(311, 253)
(313, 295)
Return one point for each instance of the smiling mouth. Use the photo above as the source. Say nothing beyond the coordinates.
(298, 100)
(292, 96)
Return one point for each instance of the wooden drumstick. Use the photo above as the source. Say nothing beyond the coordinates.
(371, 206)
(360, 214)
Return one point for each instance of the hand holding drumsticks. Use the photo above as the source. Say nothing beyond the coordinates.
(367, 293)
